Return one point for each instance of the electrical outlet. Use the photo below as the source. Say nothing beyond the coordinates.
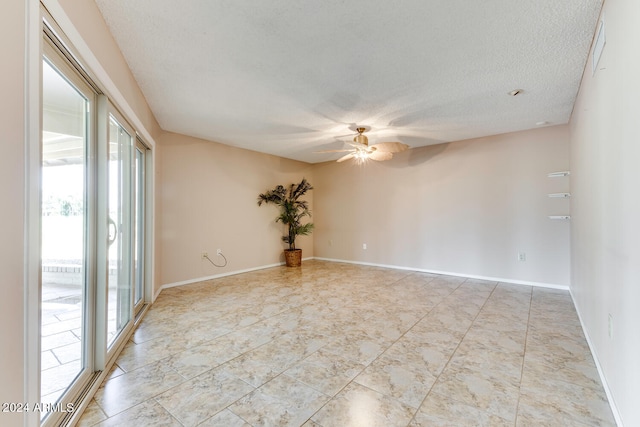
(610, 326)
(522, 256)
(364, 246)
(219, 251)
(204, 255)
(330, 242)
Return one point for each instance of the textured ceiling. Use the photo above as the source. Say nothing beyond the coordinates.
(290, 77)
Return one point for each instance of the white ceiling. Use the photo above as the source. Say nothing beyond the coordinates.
(290, 77)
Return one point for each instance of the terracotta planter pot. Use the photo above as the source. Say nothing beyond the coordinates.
(293, 257)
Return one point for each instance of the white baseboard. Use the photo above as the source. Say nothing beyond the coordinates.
(394, 267)
(450, 273)
(605, 385)
(217, 276)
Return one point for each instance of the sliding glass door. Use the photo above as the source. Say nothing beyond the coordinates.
(92, 226)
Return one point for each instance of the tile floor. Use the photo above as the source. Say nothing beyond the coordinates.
(333, 344)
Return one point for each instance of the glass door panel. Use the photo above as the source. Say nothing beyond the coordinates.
(64, 231)
(119, 282)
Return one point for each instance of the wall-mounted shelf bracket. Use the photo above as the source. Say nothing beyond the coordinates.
(559, 174)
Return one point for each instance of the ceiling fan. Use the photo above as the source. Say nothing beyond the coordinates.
(361, 150)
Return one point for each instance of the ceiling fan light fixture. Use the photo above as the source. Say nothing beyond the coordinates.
(361, 151)
(361, 156)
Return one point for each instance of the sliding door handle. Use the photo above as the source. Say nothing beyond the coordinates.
(111, 225)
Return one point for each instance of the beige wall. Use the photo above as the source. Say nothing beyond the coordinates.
(466, 208)
(12, 183)
(207, 196)
(605, 156)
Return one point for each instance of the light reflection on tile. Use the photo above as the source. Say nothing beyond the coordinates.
(341, 344)
(357, 405)
(127, 390)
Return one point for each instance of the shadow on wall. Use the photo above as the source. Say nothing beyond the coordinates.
(233, 163)
(416, 156)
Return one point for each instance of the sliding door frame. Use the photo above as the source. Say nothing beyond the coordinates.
(60, 63)
(140, 225)
(106, 352)
(40, 21)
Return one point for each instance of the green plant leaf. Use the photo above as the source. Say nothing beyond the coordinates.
(292, 210)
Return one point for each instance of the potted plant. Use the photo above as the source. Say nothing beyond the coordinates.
(292, 211)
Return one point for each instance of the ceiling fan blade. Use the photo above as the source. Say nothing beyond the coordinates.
(347, 157)
(391, 147)
(380, 156)
(333, 151)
